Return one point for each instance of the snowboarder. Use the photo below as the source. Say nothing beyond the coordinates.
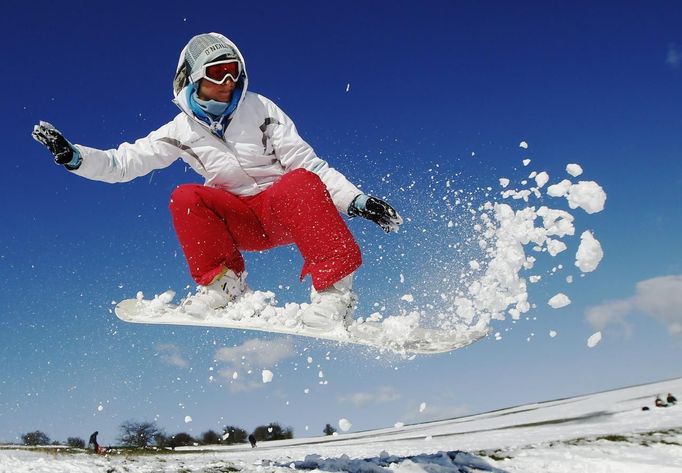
(672, 400)
(252, 440)
(264, 185)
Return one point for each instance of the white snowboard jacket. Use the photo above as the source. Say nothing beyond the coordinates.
(260, 144)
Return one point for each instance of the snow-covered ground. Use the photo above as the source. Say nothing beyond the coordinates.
(603, 432)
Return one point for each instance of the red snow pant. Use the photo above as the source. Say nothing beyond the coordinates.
(213, 226)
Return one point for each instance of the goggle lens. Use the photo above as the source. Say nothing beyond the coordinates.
(222, 70)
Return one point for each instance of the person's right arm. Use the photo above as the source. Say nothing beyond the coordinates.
(122, 164)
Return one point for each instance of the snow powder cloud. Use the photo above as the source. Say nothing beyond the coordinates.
(660, 298)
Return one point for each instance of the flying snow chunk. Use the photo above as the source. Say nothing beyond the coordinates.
(348, 87)
(558, 301)
(407, 298)
(504, 182)
(422, 407)
(523, 145)
(188, 419)
(574, 169)
(594, 339)
(560, 189)
(526, 162)
(541, 179)
(589, 253)
(100, 408)
(399, 425)
(344, 424)
(554, 247)
(267, 376)
(552, 333)
(588, 195)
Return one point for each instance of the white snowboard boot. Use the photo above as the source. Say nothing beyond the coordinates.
(332, 307)
(224, 289)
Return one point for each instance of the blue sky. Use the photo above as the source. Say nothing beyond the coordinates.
(436, 91)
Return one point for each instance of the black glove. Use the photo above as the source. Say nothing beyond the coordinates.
(377, 211)
(55, 142)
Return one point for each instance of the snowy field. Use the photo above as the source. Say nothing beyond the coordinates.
(604, 432)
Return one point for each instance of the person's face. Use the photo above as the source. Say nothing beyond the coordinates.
(219, 92)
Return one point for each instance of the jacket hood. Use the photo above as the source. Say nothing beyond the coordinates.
(181, 80)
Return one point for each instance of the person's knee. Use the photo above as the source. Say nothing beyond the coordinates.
(302, 182)
(183, 197)
(353, 252)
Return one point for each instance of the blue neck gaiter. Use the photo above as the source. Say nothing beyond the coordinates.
(213, 112)
(212, 107)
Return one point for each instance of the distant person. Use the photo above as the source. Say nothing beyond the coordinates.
(660, 403)
(264, 185)
(93, 441)
(252, 441)
(671, 399)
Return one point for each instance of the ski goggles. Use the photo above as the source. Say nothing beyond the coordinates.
(218, 72)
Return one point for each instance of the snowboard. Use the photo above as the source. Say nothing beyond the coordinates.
(258, 311)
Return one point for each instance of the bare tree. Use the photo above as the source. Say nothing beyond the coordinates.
(138, 434)
(234, 435)
(181, 439)
(273, 431)
(161, 439)
(35, 438)
(75, 442)
(211, 437)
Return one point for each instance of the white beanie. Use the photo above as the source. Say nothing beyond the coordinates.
(204, 48)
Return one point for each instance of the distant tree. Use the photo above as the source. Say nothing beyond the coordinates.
(161, 439)
(75, 442)
(272, 431)
(329, 430)
(234, 435)
(35, 438)
(138, 434)
(211, 437)
(181, 439)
